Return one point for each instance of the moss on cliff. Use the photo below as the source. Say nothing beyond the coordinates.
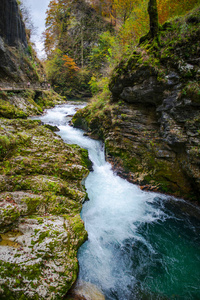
(148, 125)
(25, 103)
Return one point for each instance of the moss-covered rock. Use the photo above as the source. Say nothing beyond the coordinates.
(20, 104)
(41, 196)
(9, 111)
(45, 264)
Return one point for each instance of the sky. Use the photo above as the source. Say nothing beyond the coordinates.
(38, 9)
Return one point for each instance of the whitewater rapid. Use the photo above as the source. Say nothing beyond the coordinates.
(138, 241)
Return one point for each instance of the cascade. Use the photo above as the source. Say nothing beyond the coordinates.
(141, 245)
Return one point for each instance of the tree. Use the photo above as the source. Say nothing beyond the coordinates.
(27, 18)
(153, 18)
(124, 8)
(153, 21)
(73, 27)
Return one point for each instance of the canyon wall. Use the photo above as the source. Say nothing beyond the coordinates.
(18, 60)
(151, 123)
(12, 28)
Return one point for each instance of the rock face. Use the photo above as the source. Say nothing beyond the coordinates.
(18, 61)
(12, 29)
(41, 197)
(151, 126)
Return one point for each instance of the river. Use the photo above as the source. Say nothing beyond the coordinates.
(141, 245)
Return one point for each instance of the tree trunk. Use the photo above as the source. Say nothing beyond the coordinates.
(153, 16)
(82, 43)
(153, 19)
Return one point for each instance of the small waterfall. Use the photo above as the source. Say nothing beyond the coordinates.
(141, 245)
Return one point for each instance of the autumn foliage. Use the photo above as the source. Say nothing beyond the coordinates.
(169, 8)
(70, 64)
(84, 39)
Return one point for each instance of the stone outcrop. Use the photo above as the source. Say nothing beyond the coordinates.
(151, 124)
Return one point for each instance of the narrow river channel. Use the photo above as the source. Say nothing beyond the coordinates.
(141, 245)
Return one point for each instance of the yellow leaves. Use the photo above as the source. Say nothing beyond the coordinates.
(170, 8)
(124, 8)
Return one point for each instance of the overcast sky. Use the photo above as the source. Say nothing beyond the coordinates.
(38, 9)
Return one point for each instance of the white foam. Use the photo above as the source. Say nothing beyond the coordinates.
(113, 214)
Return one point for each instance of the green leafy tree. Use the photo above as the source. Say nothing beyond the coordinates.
(95, 35)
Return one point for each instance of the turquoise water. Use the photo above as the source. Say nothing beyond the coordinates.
(141, 245)
(170, 268)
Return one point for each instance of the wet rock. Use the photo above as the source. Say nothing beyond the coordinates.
(85, 290)
(173, 78)
(52, 128)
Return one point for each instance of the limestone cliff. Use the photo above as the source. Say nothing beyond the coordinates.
(12, 28)
(151, 124)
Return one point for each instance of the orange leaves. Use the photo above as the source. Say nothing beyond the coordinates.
(70, 64)
(165, 9)
(170, 8)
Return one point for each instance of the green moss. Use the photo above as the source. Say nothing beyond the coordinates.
(85, 161)
(192, 91)
(9, 111)
(48, 99)
(78, 228)
(49, 173)
(9, 215)
(32, 204)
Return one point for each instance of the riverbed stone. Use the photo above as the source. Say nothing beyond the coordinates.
(83, 290)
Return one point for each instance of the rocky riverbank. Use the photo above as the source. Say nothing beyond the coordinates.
(150, 120)
(41, 196)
